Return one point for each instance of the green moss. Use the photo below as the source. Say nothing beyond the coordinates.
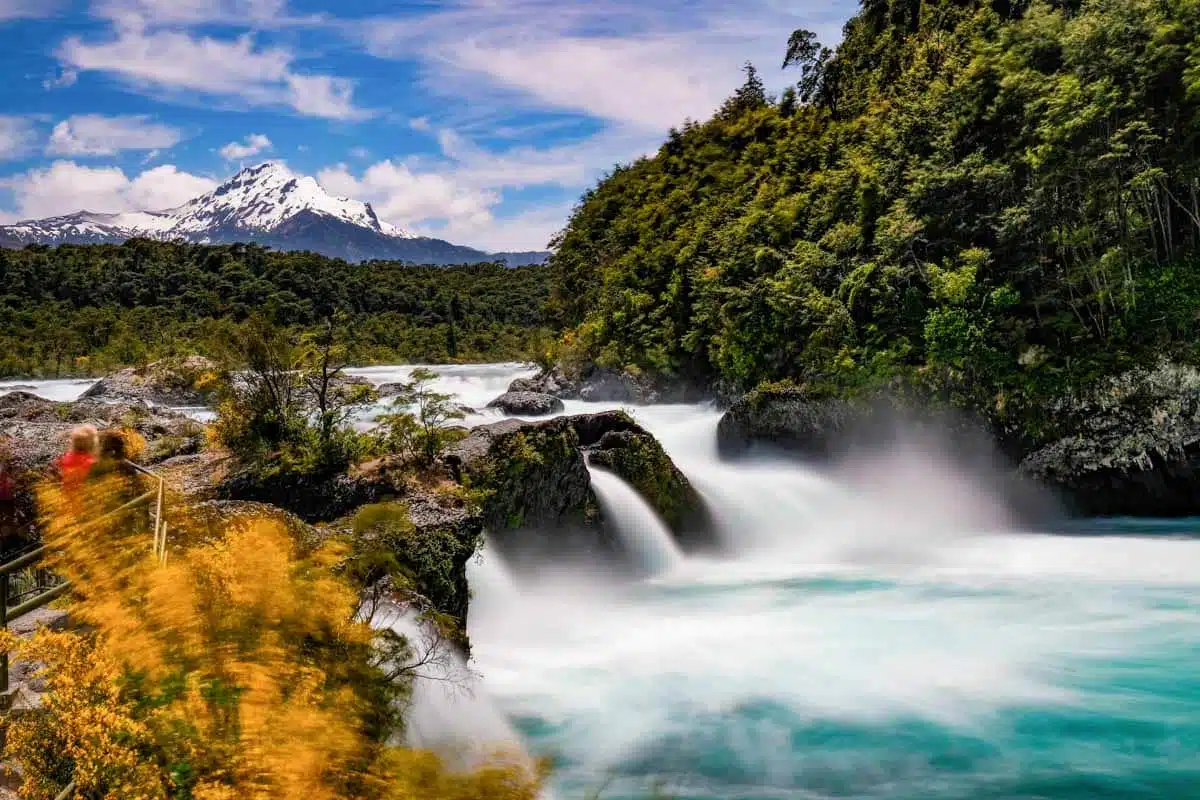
(641, 461)
(516, 466)
(428, 561)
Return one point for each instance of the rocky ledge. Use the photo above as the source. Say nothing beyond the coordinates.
(819, 426)
(536, 476)
(172, 382)
(1135, 449)
(595, 384)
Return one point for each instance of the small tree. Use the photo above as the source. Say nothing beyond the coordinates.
(287, 396)
(750, 96)
(324, 356)
(418, 428)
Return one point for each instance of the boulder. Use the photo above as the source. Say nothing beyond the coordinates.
(820, 426)
(1134, 448)
(534, 472)
(536, 476)
(172, 382)
(639, 459)
(389, 389)
(595, 384)
(343, 387)
(788, 417)
(527, 403)
(553, 382)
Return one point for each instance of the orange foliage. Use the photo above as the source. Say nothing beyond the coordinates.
(228, 673)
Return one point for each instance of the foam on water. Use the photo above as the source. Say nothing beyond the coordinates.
(60, 391)
(884, 629)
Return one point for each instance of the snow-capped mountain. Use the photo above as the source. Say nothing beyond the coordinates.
(267, 204)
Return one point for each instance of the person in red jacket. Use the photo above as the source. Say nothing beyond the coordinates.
(76, 465)
(8, 499)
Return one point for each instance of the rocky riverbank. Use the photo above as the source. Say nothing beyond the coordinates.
(526, 483)
(1133, 446)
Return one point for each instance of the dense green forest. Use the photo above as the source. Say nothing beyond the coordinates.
(86, 309)
(997, 200)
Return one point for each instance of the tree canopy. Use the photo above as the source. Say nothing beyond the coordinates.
(125, 304)
(1000, 199)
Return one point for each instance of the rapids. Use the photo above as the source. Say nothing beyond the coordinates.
(882, 629)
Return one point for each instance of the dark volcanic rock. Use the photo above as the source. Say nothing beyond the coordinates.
(1135, 450)
(163, 383)
(595, 384)
(552, 382)
(820, 427)
(538, 477)
(311, 498)
(639, 459)
(528, 403)
(535, 472)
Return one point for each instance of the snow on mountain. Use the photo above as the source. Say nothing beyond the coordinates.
(267, 204)
(262, 198)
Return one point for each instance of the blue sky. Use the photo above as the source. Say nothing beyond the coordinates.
(478, 121)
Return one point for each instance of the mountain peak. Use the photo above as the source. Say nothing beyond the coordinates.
(266, 203)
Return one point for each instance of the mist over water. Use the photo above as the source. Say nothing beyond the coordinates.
(885, 627)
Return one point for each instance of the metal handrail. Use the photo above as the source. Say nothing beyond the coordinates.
(27, 559)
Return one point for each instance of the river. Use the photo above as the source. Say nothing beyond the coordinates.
(883, 630)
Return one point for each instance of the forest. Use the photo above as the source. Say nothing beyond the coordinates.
(995, 200)
(86, 309)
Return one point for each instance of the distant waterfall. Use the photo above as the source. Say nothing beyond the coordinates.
(636, 523)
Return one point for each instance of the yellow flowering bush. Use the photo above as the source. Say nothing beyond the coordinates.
(234, 671)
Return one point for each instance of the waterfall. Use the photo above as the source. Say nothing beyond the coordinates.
(636, 523)
(449, 711)
(493, 588)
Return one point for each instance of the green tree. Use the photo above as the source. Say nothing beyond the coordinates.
(418, 428)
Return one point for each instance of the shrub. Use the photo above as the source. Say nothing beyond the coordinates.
(237, 670)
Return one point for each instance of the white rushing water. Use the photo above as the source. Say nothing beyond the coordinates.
(880, 629)
(651, 544)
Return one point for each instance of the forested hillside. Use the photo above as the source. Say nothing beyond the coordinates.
(999, 200)
(90, 308)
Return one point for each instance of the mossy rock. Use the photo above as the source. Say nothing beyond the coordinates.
(639, 459)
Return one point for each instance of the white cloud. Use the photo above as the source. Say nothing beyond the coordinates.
(459, 196)
(154, 13)
(18, 137)
(252, 145)
(238, 69)
(408, 198)
(641, 65)
(98, 135)
(527, 230)
(65, 187)
(60, 79)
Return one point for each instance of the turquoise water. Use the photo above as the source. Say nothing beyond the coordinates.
(1016, 667)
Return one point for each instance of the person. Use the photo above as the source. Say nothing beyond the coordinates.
(76, 465)
(8, 500)
(114, 461)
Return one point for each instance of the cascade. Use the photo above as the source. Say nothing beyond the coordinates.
(493, 588)
(636, 523)
(449, 711)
